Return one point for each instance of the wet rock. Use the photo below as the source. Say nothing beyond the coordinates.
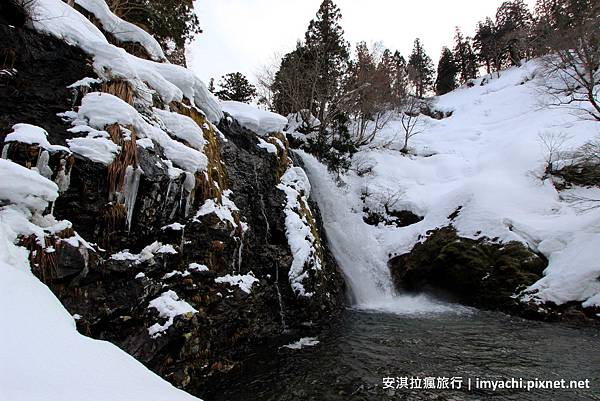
(127, 267)
(44, 66)
(474, 272)
(401, 218)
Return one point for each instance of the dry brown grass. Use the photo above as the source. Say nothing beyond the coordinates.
(283, 155)
(113, 217)
(8, 58)
(43, 264)
(121, 89)
(205, 186)
(127, 157)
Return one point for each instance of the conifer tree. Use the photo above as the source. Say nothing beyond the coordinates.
(465, 58)
(235, 86)
(324, 40)
(487, 44)
(514, 23)
(446, 73)
(420, 70)
(400, 77)
(170, 21)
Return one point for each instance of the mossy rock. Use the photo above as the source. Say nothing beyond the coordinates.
(479, 273)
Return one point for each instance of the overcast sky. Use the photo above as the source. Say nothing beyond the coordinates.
(242, 35)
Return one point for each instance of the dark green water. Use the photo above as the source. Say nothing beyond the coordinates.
(352, 359)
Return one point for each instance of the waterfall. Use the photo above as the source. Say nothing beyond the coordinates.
(279, 298)
(358, 254)
(267, 239)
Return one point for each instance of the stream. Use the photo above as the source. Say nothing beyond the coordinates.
(352, 359)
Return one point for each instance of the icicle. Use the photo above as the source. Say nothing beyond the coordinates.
(131, 186)
(42, 164)
(189, 185)
(5, 151)
(168, 189)
(63, 179)
(240, 249)
(52, 208)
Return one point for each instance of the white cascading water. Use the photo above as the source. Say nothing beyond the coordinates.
(358, 254)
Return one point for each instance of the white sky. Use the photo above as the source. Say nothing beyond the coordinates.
(242, 35)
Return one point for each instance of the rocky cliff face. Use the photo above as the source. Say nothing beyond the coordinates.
(184, 270)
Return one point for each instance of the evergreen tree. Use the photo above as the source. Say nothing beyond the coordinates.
(341, 147)
(295, 82)
(211, 86)
(235, 86)
(168, 20)
(324, 40)
(420, 70)
(465, 58)
(487, 44)
(513, 23)
(446, 73)
(400, 78)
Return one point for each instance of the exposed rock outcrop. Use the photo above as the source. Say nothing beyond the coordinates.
(478, 273)
(184, 270)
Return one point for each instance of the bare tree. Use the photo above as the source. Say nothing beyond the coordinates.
(265, 78)
(374, 76)
(572, 71)
(553, 144)
(411, 120)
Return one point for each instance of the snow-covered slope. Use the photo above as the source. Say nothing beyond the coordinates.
(488, 159)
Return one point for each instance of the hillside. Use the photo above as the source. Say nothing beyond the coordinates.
(480, 170)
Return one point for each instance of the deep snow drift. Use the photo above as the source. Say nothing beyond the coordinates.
(42, 356)
(486, 158)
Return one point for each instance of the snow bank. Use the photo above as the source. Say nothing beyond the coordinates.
(122, 30)
(260, 121)
(25, 187)
(171, 82)
(101, 150)
(183, 128)
(303, 244)
(42, 356)
(32, 135)
(99, 109)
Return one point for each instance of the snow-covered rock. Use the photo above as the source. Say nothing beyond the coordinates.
(260, 121)
(169, 306)
(122, 30)
(171, 82)
(244, 282)
(302, 241)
